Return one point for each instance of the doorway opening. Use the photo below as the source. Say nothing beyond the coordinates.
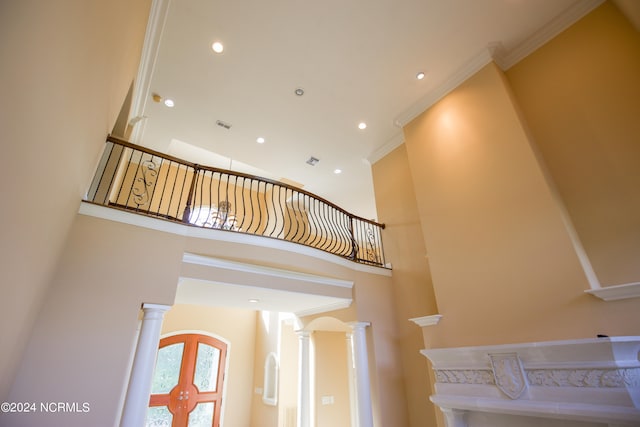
(188, 382)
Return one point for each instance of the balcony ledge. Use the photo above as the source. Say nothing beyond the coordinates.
(117, 215)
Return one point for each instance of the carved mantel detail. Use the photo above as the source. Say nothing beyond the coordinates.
(588, 380)
(615, 377)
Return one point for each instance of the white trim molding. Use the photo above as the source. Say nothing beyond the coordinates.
(589, 380)
(423, 321)
(472, 66)
(507, 59)
(496, 52)
(262, 270)
(617, 292)
(155, 27)
(387, 147)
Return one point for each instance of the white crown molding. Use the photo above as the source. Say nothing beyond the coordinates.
(190, 258)
(557, 25)
(617, 292)
(386, 148)
(157, 224)
(503, 58)
(472, 66)
(423, 321)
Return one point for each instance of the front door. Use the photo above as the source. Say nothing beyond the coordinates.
(187, 382)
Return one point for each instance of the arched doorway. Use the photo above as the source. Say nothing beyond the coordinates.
(188, 382)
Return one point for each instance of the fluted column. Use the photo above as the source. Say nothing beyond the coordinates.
(361, 364)
(304, 379)
(144, 362)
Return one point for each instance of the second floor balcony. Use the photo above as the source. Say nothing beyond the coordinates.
(136, 179)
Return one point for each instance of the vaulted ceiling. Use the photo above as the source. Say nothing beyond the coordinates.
(357, 62)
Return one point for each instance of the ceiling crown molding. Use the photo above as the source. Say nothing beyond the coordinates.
(386, 148)
(496, 52)
(557, 25)
(471, 67)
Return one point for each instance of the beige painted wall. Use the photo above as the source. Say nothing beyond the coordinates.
(412, 285)
(238, 328)
(579, 94)
(503, 265)
(80, 349)
(267, 336)
(332, 379)
(288, 385)
(65, 72)
(374, 304)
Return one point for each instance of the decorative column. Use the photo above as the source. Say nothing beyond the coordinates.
(353, 399)
(304, 379)
(144, 362)
(361, 363)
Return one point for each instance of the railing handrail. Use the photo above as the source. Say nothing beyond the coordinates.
(152, 183)
(198, 166)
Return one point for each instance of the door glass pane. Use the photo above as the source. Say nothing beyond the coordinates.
(167, 370)
(207, 361)
(202, 415)
(159, 416)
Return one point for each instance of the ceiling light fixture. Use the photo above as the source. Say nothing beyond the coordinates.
(420, 75)
(362, 125)
(254, 300)
(217, 47)
(260, 140)
(169, 103)
(337, 171)
(299, 91)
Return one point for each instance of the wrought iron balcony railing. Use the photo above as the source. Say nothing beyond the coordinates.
(150, 183)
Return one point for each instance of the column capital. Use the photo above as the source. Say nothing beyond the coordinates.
(302, 333)
(159, 307)
(154, 311)
(358, 325)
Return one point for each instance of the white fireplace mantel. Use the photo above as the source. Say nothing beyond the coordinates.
(588, 380)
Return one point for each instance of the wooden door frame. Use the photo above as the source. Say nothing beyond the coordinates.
(225, 370)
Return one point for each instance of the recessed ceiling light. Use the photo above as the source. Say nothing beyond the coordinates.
(420, 75)
(362, 125)
(337, 171)
(299, 91)
(254, 300)
(169, 102)
(260, 140)
(217, 47)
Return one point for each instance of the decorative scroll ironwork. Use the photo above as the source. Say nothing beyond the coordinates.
(151, 183)
(144, 183)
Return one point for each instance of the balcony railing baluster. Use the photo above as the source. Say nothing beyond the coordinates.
(150, 183)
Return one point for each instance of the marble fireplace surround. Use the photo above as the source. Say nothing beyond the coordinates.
(586, 382)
